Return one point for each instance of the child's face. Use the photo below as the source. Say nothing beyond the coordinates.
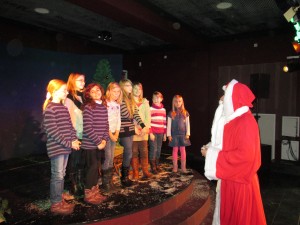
(137, 91)
(95, 93)
(156, 99)
(115, 93)
(127, 88)
(178, 102)
(80, 82)
(61, 93)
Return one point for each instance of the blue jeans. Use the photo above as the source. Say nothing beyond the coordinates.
(58, 172)
(109, 154)
(155, 146)
(126, 142)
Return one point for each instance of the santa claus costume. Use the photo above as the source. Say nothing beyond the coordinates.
(238, 161)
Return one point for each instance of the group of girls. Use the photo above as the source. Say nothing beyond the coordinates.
(83, 125)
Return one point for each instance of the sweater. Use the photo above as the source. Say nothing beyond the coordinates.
(59, 129)
(158, 119)
(127, 125)
(144, 112)
(95, 126)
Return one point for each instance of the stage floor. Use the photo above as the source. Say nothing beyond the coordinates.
(24, 184)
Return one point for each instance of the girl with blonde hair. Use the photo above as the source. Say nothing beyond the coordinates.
(140, 140)
(61, 138)
(129, 114)
(178, 132)
(113, 99)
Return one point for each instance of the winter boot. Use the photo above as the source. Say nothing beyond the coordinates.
(73, 187)
(158, 167)
(92, 196)
(80, 182)
(135, 168)
(146, 173)
(153, 166)
(67, 196)
(113, 187)
(105, 181)
(125, 181)
(62, 208)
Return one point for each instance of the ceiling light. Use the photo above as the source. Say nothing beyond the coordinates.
(105, 35)
(42, 10)
(224, 5)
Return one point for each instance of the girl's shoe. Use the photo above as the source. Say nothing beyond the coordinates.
(62, 208)
(67, 196)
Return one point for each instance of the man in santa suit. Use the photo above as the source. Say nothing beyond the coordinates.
(236, 164)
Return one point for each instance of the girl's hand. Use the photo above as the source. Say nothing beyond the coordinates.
(145, 130)
(137, 131)
(114, 138)
(152, 137)
(165, 137)
(76, 144)
(187, 137)
(170, 138)
(102, 145)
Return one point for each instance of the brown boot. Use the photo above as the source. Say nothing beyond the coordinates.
(62, 208)
(158, 167)
(153, 166)
(146, 173)
(67, 196)
(91, 196)
(135, 168)
(97, 193)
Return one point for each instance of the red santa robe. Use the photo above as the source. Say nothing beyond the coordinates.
(238, 161)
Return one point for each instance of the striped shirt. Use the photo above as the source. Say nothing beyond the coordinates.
(59, 129)
(158, 119)
(95, 126)
(127, 124)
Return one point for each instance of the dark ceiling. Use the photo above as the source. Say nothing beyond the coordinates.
(149, 24)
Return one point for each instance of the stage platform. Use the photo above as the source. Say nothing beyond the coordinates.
(166, 198)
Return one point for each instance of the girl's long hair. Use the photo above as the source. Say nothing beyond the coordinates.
(88, 98)
(71, 84)
(127, 97)
(52, 86)
(109, 88)
(175, 110)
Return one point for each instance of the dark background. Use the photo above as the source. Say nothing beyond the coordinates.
(30, 58)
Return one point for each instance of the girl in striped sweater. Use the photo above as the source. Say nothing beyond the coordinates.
(129, 113)
(61, 138)
(158, 130)
(95, 136)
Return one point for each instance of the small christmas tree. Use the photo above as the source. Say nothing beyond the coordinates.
(103, 73)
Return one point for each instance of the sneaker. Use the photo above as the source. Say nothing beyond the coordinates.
(67, 196)
(61, 208)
